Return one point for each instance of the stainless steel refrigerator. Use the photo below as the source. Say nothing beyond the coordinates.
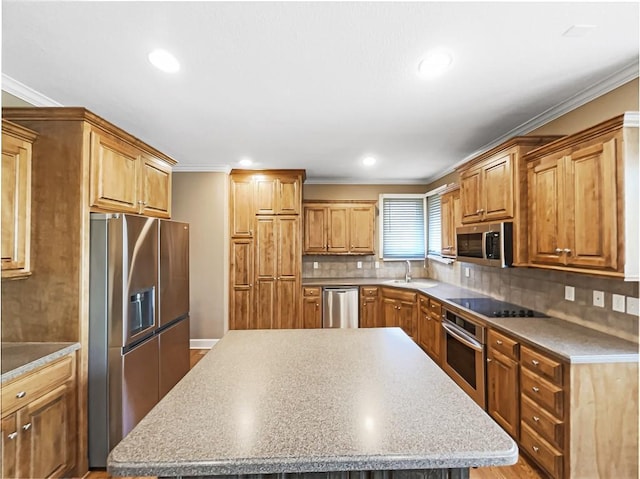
(138, 322)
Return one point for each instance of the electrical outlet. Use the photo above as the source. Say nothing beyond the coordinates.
(467, 272)
(598, 298)
(377, 264)
(632, 305)
(359, 265)
(569, 293)
(315, 265)
(617, 303)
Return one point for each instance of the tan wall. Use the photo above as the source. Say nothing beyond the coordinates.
(201, 200)
(355, 192)
(9, 100)
(620, 100)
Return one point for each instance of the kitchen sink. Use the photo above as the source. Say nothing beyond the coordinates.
(418, 283)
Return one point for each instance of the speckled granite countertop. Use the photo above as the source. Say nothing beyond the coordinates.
(569, 341)
(268, 401)
(20, 358)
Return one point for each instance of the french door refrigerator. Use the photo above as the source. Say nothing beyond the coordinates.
(138, 322)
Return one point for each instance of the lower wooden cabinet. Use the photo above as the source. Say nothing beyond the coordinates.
(39, 422)
(430, 327)
(399, 309)
(370, 316)
(503, 398)
(312, 307)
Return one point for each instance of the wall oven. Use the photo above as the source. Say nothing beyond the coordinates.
(464, 354)
(486, 244)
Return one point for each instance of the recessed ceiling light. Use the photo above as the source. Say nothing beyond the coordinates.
(368, 161)
(435, 62)
(246, 162)
(578, 30)
(163, 60)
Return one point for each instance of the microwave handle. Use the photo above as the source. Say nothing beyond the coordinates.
(485, 237)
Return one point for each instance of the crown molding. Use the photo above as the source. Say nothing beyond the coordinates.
(28, 94)
(201, 169)
(613, 81)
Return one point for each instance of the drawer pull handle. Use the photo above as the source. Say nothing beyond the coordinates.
(26, 426)
(535, 448)
(535, 362)
(536, 418)
(498, 342)
(12, 436)
(21, 394)
(535, 389)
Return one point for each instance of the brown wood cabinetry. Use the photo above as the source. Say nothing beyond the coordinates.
(493, 187)
(503, 393)
(312, 307)
(399, 309)
(38, 422)
(576, 202)
(430, 327)
(16, 200)
(266, 251)
(370, 316)
(451, 218)
(339, 227)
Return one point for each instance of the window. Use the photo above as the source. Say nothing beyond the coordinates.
(410, 226)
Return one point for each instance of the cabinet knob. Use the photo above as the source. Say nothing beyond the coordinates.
(351, 246)
(477, 212)
(13, 435)
(567, 251)
(535, 448)
(535, 389)
(489, 360)
(250, 285)
(317, 305)
(26, 426)
(21, 394)
(481, 210)
(536, 418)
(498, 342)
(535, 362)
(558, 250)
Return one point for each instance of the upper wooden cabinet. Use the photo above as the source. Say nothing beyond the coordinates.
(493, 188)
(339, 227)
(451, 218)
(241, 209)
(277, 194)
(16, 200)
(125, 174)
(577, 192)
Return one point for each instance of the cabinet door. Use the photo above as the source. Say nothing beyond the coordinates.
(265, 195)
(287, 314)
(546, 212)
(241, 207)
(361, 227)
(497, 189)
(266, 253)
(389, 313)
(45, 425)
(470, 187)
(156, 188)
(312, 312)
(406, 315)
(315, 229)
(241, 302)
(590, 199)
(338, 236)
(447, 231)
(435, 340)
(424, 328)
(16, 206)
(369, 315)
(115, 174)
(288, 271)
(9, 445)
(503, 393)
(288, 196)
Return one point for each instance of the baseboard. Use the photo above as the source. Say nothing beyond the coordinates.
(202, 343)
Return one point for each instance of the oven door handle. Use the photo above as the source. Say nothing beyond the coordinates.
(475, 345)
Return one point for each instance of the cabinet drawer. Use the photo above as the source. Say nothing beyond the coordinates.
(27, 388)
(503, 344)
(369, 291)
(542, 392)
(543, 423)
(435, 308)
(309, 291)
(393, 293)
(424, 303)
(541, 451)
(548, 368)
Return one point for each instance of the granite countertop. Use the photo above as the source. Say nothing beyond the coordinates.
(267, 401)
(20, 358)
(571, 342)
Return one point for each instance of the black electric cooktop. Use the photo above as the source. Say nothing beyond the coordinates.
(497, 309)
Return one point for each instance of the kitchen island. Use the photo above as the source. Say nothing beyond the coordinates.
(314, 401)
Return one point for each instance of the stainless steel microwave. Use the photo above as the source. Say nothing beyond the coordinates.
(486, 244)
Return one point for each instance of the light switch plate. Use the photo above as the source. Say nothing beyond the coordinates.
(467, 272)
(598, 298)
(569, 293)
(359, 264)
(617, 303)
(315, 265)
(632, 305)
(377, 264)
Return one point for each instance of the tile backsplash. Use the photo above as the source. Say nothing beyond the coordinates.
(539, 289)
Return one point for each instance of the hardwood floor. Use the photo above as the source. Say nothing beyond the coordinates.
(521, 470)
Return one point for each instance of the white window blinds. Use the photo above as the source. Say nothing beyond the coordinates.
(403, 227)
(434, 227)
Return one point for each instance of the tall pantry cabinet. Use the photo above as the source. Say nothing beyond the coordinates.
(266, 249)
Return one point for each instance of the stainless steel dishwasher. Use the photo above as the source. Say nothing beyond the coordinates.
(340, 307)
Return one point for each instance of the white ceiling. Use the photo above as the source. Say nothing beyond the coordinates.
(318, 85)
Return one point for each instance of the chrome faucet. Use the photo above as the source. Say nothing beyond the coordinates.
(407, 273)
